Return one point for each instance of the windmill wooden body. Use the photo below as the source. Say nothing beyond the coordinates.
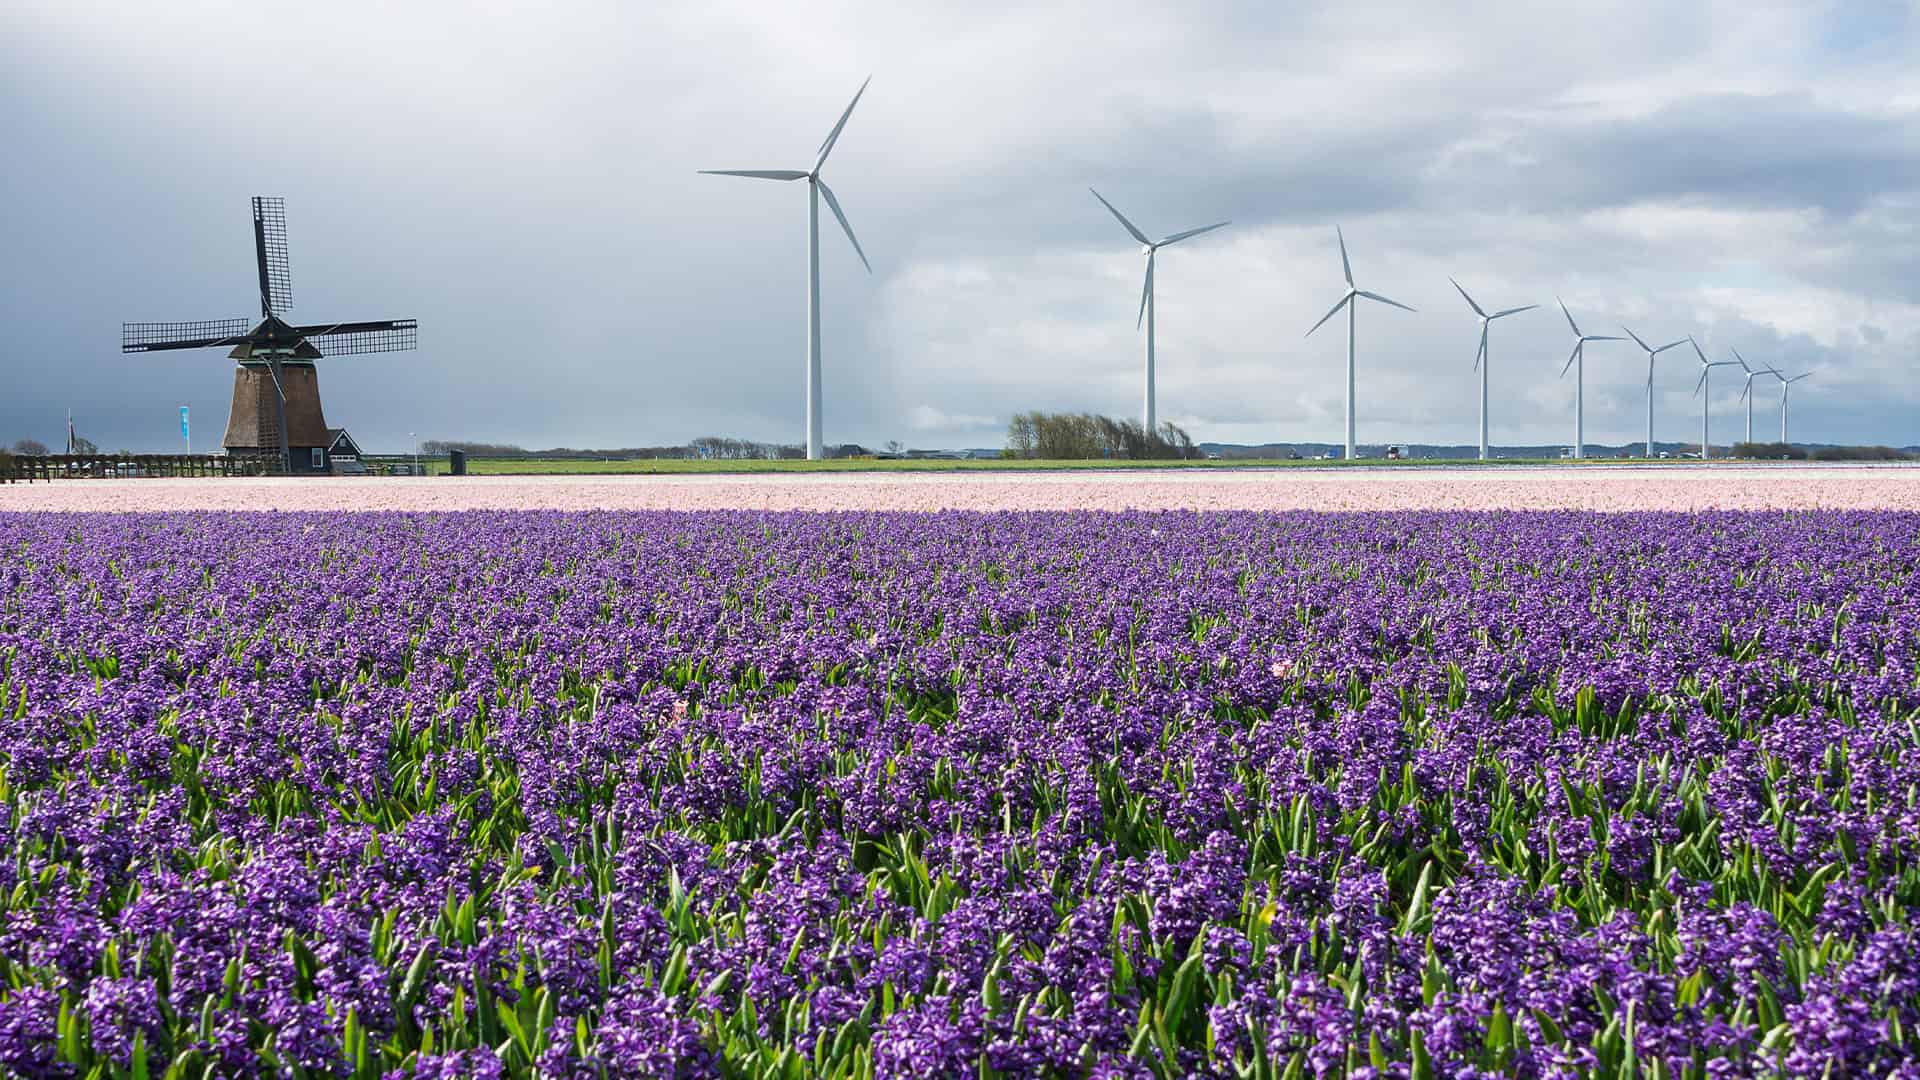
(276, 388)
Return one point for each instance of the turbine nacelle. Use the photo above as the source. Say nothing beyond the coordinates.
(1150, 248)
(813, 177)
(1652, 351)
(1580, 339)
(1353, 292)
(1486, 320)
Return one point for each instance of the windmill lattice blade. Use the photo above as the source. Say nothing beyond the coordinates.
(359, 338)
(758, 174)
(826, 146)
(1382, 299)
(270, 249)
(1335, 310)
(833, 204)
(1345, 266)
(1469, 300)
(1512, 311)
(1571, 357)
(1563, 310)
(1134, 232)
(1146, 290)
(158, 336)
(1179, 236)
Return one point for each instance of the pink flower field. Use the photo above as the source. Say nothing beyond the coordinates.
(1592, 487)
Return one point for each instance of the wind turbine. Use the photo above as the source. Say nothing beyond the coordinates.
(816, 188)
(1651, 353)
(1579, 356)
(1486, 320)
(1149, 248)
(1706, 369)
(1746, 392)
(1785, 385)
(1348, 302)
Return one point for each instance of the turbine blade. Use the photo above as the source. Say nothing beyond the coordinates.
(1636, 339)
(1483, 347)
(833, 136)
(1748, 389)
(1512, 311)
(1146, 290)
(758, 174)
(1563, 310)
(1737, 356)
(1382, 299)
(1345, 266)
(1670, 345)
(1696, 349)
(833, 204)
(1335, 310)
(1701, 382)
(1601, 337)
(1469, 300)
(1572, 356)
(1134, 232)
(1179, 236)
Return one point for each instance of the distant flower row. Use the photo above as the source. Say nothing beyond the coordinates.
(845, 795)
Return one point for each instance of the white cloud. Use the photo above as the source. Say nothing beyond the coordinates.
(927, 418)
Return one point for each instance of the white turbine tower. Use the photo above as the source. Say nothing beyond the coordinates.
(816, 189)
(1651, 353)
(1349, 303)
(1481, 361)
(1746, 392)
(1579, 356)
(1149, 248)
(1706, 398)
(1785, 385)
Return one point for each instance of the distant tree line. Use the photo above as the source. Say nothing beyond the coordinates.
(30, 448)
(1080, 436)
(1775, 451)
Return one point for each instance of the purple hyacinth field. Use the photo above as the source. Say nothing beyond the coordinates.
(651, 794)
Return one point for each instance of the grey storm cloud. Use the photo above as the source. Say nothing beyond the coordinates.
(521, 178)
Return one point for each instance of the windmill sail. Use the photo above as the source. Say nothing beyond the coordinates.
(156, 336)
(270, 252)
(357, 338)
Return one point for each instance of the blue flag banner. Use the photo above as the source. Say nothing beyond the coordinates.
(183, 422)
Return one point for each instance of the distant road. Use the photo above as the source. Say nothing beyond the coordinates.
(1433, 487)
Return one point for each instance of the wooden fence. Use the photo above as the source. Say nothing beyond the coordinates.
(25, 469)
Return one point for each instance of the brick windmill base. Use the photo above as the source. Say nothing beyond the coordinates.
(253, 421)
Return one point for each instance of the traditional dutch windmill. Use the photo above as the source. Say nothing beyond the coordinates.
(276, 391)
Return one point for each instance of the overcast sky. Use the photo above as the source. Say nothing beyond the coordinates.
(521, 178)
